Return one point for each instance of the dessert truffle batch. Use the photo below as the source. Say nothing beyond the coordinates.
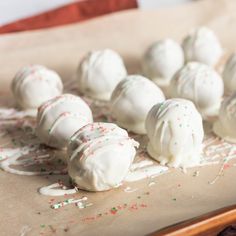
(179, 89)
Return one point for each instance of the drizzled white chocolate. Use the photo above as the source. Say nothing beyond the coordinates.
(229, 74)
(11, 158)
(225, 126)
(203, 46)
(56, 189)
(200, 84)
(131, 101)
(175, 133)
(162, 60)
(35, 84)
(59, 118)
(99, 73)
(99, 156)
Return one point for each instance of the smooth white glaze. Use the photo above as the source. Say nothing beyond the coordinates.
(162, 60)
(229, 74)
(59, 118)
(131, 101)
(99, 156)
(225, 126)
(35, 84)
(99, 73)
(201, 84)
(175, 133)
(202, 45)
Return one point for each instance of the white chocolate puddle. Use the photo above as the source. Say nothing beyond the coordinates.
(57, 189)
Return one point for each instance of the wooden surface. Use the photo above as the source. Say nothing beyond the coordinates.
(206, 225)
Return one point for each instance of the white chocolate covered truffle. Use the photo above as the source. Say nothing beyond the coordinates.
(162, 60)
(99, 156)
(131, 101)
(229, 74)
(35, 84)
(225, 126)
(99, 73)
(59, 118)
(202, 45)
(175, 133)
(201, 84)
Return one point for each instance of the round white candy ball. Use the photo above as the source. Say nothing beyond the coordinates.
(200, 84)
(162, 60)
(99, 73)
(99, 156)
(35, 84)
(59, 118)
(131, 101)
(203, 46)
(225, 126)
(175, 133)
(229, 74)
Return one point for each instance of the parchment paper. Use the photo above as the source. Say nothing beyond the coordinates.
(175, 196)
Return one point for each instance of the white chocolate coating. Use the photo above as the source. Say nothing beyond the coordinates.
(99, 73)
(225, 126)
(99, 156)
(131, 101)
(229, 74)
(162, 60)
(59, 118)
(200, 84)
(175, 133)
(35, 84)
(203, 46)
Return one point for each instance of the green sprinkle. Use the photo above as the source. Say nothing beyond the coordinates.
(42, 226)
(174, 199)
(161, 106)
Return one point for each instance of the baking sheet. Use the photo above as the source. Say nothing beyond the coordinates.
(145, 207)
